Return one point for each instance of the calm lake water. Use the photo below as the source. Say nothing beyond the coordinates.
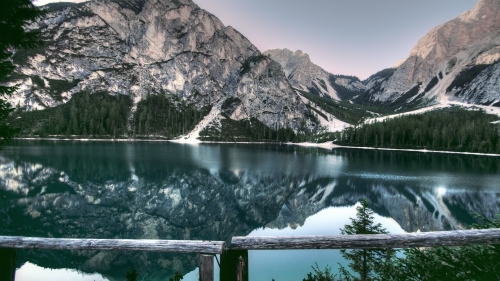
(159, 190)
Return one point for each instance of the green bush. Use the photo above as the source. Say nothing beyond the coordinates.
(320, 275)
(247, 64)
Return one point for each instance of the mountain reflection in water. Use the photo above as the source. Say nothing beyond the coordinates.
(153, 190)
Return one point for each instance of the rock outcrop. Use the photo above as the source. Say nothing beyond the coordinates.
(438, 59)
(307, 76)
(139, 47)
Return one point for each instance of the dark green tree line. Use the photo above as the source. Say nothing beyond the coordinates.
(451, 129)
(98, 114)
(342, 110)
(248, 130)
(166, 115)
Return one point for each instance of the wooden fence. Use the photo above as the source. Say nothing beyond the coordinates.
(234, 259)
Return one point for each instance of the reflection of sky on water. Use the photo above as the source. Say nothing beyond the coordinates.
(295, 264)
(30, 272)
(327, 222)
(287, 265)
(412, 188)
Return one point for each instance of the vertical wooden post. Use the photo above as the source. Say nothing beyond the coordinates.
(234, 265)
(206, 268)
(7, 264)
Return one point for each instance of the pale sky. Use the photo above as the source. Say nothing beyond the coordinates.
(351, 37)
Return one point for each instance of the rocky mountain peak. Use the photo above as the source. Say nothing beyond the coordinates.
(473, 38)
(141, 47)
(297, 53)
(303, 74)
(290, 59)
(471, 26)
(484, 9)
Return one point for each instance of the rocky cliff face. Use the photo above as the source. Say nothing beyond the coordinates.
(137, 47)
(444, 56)
(307, 76)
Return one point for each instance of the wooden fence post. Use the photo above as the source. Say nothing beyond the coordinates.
(234, 265)
(206, 268)
(7, 264)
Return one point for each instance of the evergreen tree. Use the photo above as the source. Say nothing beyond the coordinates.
(452, 129)
(320, 275)
(369, 264)
(14, 16)
(480, 262)
(131, 275)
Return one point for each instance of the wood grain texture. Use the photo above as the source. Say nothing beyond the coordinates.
(174, 246)
(423, 239)
(206, 268)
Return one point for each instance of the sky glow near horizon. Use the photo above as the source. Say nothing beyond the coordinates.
(350, 37)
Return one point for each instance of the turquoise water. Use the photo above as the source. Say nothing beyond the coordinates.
(161, 190)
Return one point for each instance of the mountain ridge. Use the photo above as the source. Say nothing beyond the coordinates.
(173, 48)
(305, 75)
(156, 46)
(443, 54)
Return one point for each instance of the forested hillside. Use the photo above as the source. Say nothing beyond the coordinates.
(101, 115)
(166, 115)
(342, 110)
(452, 129)
(98, 114)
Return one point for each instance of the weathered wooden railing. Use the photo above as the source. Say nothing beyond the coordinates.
(406, 240)
(172, 246)
(206, 249)
(234, 260)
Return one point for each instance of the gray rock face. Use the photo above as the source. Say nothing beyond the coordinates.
(483, 89)
(307, 76)
(446, 50)
(141, 46)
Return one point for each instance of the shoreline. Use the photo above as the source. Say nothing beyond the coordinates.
(324, 145)
(332, 146)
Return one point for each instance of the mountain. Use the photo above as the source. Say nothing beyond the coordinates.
(307, 76)
(168, 69)
(327, 95)
(135, 49)
(456, 61)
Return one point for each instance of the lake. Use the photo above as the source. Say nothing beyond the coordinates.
(161, 190)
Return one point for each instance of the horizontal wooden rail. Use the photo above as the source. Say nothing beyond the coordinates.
(422, 239)
(174, 246)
